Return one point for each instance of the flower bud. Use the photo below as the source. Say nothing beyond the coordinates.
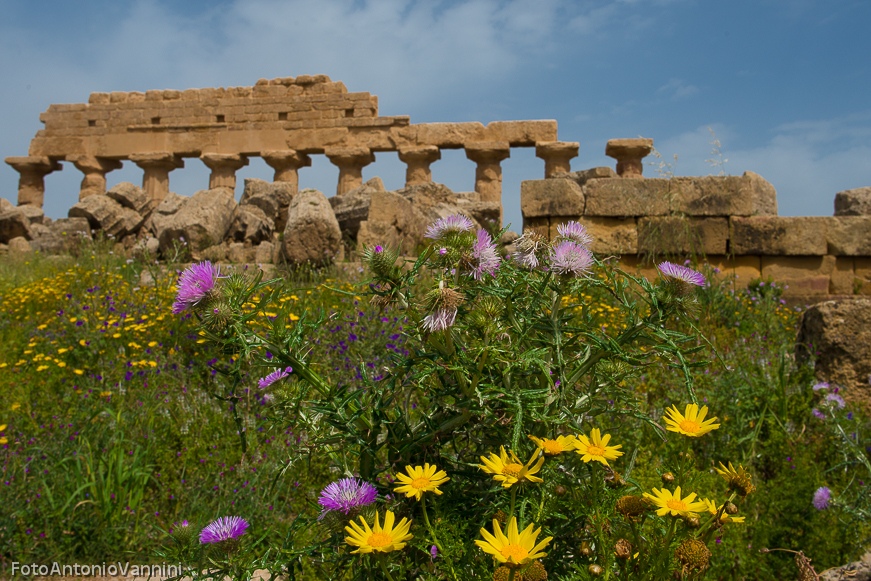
(693, 522)
(595, 570)
(667, 478)
(560, 490)
(623, 549)
(585, 549)
(731, 508)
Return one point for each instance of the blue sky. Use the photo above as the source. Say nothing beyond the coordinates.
(784, 84)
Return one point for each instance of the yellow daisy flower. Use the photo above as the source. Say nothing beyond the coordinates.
(691, 423)
(378, 539)
(668, 502)
(725, 517)
(2, 427)
(420, 480)
(739, 480)
(554, 447)
(513, 548)
(509, 470)
(596, 447)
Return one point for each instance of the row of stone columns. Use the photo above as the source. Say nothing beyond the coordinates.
(286, 163)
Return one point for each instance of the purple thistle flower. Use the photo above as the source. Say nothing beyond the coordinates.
(820, 386)
(822, 497)
(378, 249)
(681, 273)
(444, 226)
(576, 232)
(223, 529)
(443, 251)
(818, 414)
(433, 552)
(836, 400)
(440, 319)
(569, 257)
(273, 377)
(484, 252)
(346, 495)
(195, 284)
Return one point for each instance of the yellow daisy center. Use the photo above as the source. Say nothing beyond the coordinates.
(512, 470)
(379, 540)
(689, 426)
(516, 551)
(552, 447)
(596, 450)
(676, 504)
(420, 483)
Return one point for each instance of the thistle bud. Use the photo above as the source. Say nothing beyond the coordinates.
(731, 508)
(623, 549)
(183, 534)
(595, 570)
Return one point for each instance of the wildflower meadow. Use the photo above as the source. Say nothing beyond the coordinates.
(464, 414)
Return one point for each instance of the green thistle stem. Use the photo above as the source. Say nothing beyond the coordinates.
(511, 574)
(428, 525)
(381, 562)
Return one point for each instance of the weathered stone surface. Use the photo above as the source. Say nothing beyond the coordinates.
(805, 275)
(236, 253)
(271, 197)
(393, 221)
(39, 230)
(34, 215)
(551, 197)
(582, 176)
(64, 236)
(849, 235)
(843, 279)
(610, 235)
(855, 571)
(840, 333)
(78, 227)
(19, 245)
(629, 153)
(13, 223)
(540, 226)
(747, 195)
(803, 236)
(312, 232)
(147, 248)
(250, 224)
(862, 274)
(160, 217)
(132, 197)
(741, 269)
(214, 253)
(202, 221)
(104, 213)
(623, 198)
(263, 253)
(5, 205)
(352, 207)
(677, 235)
(853, 202)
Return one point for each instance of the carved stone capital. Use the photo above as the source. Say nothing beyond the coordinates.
(557, 155)
(223, 166)
(629, 153)
(156, 166)
(350, 161)
(31, 183)
(418, 159)
(95, 170)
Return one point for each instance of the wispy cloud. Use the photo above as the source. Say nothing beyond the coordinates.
(677, 89)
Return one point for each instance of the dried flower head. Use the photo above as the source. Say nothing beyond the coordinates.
(693, 555)
(632, 506)
(443, 303)
(531, 247)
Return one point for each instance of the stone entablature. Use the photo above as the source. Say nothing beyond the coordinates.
(285, 119)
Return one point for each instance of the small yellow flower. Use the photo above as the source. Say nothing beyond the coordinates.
(420, 480)
(78, 371)
(514, 548)
(105, 393)
(4, 441)
(3, 427)
(739, 480)
(672, 503)
(509, 470)
(725, 517)
(691, 423)
(15, 406)
(596, 447)
(378, 539)
(554, 447)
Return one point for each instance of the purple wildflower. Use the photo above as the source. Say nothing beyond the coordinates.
(346, 495)
(223, 529)
(820, 386)
(818, 414)
(433, 552)
(569, 257)
(681, 273)
(195, 284)
(484, 253)
(822, 497)
(836, 400)
(273, 377)
(443, 251)
(444, 226)
(440, 319)
(379, 248)
(576, 232)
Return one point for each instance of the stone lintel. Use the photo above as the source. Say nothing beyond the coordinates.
(629, 153)
(31, 182)
(557, 155)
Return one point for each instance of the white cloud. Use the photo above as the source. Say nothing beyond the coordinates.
(677, 89)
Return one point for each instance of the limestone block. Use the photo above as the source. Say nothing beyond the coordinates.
(551, 197)
(104, 213)
(250, 224)
(855, 202)
(805, 275)
(801, 236)
(843, 276)
(74, 227)
(620, 197)
(202, 221)
(312, 232)
(19, 245)
(610, 235)
(352, 207)
(396, 220)
(849, 235)
(678, 235)
(6, 205)
(862, 274)
(37, 216)
(264, 252)
(214, 253)
(747, 195)
(272, 197)
(582, 176)
(742, 269)
(840, 335)
(64, 236)
(14, 223)
(159, 218)
(521, 133)
(639, 265)
(236, 253)
(96, 98)
(132, 197)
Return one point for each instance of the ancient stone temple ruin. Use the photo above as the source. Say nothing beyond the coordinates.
(284, 121)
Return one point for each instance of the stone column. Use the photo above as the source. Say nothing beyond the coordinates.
(351, 161)
(223, 166)
(31, 183)
(286, 165)
(556, 155)
(95, 170)
(629, 153)
(488, 174)
(419, 159)
(157, 166)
